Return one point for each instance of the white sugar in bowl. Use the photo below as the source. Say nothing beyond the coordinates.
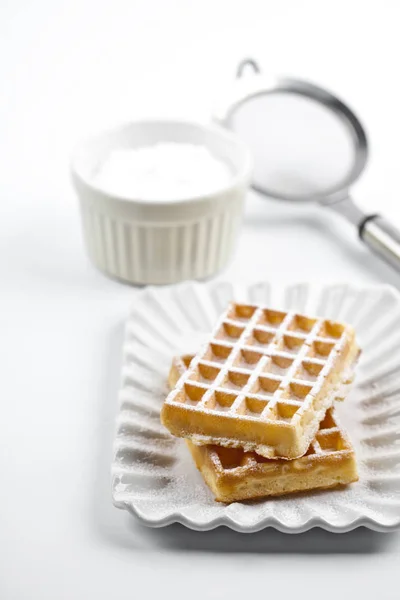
(161, 201)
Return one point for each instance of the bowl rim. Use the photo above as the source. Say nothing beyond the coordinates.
(241, 176)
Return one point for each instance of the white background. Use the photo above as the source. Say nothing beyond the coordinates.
(70, 67)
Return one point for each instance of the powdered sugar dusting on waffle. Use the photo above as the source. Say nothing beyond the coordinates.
(264, 365)
(268, 351)
(337, 393)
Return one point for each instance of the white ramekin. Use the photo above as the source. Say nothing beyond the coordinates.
(146, 242)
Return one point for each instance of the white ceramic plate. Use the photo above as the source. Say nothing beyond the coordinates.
(154, 476)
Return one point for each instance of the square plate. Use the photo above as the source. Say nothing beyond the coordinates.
(154, 476)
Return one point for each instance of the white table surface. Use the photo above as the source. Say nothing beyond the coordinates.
(69, 67)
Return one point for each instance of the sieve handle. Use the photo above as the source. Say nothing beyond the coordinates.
(382, 238)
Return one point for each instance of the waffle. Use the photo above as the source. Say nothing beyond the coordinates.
(263, 382)
(235, 475)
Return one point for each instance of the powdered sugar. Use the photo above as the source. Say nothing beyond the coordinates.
(163, 172)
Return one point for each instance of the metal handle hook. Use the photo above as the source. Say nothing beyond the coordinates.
(245, 64)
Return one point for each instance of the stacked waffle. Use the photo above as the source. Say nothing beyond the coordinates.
(256, 403)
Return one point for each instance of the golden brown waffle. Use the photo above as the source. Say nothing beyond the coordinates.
(235, 475)
(263, 382)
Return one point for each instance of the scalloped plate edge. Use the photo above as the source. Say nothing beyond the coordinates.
(236, 524)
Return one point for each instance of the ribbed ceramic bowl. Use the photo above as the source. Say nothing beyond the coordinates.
(157, 242)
